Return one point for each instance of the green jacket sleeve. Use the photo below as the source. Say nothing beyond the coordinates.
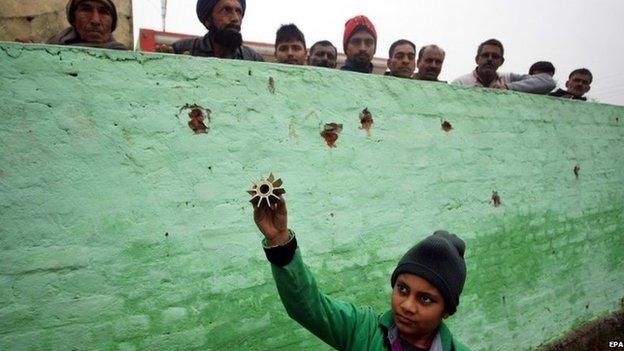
(340, 324)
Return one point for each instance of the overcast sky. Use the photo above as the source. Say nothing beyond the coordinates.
(569, 33)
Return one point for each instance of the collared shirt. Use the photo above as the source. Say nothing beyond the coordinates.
(202, 46)
(480, 82)
(538, 83)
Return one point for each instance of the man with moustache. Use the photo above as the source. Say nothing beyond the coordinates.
(579, 83)
(223, 19)
(290, 45)
(490, 56)
(323, 54)
(359, 43)
(429, 63)
(92, 25)
(402, 59)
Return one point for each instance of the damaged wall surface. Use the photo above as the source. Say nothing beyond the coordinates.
(42, 19)
(123, 226)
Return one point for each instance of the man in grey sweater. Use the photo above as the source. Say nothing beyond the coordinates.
(490, 56)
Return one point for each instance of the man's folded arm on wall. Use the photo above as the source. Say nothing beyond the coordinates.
(541, 83)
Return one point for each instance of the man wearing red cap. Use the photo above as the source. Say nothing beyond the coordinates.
(360, 44)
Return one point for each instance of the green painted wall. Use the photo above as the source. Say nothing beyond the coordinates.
(121, 229)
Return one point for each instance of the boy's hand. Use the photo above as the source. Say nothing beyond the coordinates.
(273, 222)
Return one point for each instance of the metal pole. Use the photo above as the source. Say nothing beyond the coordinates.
(164, 14)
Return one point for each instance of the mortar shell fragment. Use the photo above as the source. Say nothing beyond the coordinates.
(266, 190)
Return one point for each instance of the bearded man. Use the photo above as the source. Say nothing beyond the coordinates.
(360, 44)
(223, 19)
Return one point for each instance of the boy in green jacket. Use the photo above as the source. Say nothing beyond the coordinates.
(426, 285)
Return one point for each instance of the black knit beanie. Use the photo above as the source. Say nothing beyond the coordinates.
(439, 259)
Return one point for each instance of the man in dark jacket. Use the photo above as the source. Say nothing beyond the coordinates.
(579, 83)
(223, 19)
(92, 24)
(360, 44)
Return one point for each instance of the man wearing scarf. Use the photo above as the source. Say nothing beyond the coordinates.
(92, 24)
(223, 19)
(359, 43)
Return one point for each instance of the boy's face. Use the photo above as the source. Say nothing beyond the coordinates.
(418, 307)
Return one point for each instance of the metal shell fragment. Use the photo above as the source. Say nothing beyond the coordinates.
(265, 189)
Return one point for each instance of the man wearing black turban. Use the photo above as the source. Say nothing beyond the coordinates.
(223, 19)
